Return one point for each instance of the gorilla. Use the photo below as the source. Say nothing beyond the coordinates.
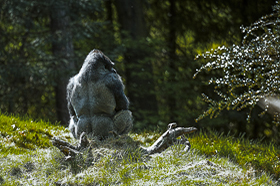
(96, 101)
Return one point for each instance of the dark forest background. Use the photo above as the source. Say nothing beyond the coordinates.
(152, 42)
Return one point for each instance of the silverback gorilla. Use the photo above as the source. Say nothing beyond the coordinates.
(96, 100)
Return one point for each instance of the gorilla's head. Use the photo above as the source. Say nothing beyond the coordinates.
(96, 65)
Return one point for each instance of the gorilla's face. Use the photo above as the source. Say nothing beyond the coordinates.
(105, 66)
(109, 65)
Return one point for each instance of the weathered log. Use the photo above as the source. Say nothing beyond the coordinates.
(167, 139)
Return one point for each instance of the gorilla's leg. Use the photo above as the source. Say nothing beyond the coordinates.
(101, 126)
(83, 125)
(123, 122)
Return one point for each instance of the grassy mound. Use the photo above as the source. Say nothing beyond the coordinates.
(28, 158)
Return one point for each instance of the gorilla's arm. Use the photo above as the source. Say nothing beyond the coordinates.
(68, 97)
(121, 101)
(71, 111)
(115, 85)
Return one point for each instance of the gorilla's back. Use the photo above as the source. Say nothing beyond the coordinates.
(92, 98)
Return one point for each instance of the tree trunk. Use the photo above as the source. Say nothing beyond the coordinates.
(172, 59)
(109, 11)
(139, 75)
(62, 49)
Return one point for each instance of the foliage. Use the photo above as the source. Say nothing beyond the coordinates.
(28, 67)
(197, 25)
(212, 160)
(25, 65)
(247, 72)
(160, 63)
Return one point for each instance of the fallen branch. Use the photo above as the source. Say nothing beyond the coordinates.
(167, 139)
(69, 150)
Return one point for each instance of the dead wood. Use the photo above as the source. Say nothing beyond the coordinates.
(69, 150)
(167, 139)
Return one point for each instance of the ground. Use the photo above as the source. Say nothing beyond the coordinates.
(118, 161)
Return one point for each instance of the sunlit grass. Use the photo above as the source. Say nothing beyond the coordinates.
(261, 156)
(18, 135)
(214, 159)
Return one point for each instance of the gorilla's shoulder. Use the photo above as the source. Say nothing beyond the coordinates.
(112, 77)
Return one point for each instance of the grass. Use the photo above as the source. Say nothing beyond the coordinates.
(18, 135)
(28, 158)
(249, 153)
